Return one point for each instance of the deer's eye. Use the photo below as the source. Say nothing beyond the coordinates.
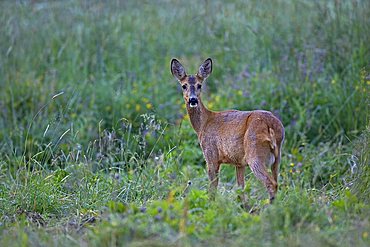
(199, 86)
(184, 86)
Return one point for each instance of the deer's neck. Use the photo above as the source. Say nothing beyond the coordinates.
(198, 116)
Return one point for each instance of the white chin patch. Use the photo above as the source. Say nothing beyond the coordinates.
(192, 105)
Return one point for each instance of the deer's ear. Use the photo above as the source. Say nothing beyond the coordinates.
(205, 69)
(177, 69)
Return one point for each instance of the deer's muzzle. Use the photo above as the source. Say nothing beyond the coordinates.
(193, 102)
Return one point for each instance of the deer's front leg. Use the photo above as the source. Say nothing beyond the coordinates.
(213, 166)
(213, 172)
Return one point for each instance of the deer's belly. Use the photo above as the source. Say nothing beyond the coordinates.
(223, 148)
(231, 151)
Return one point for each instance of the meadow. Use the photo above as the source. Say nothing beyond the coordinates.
(96, 148)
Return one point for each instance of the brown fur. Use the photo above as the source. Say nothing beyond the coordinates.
(239, 138)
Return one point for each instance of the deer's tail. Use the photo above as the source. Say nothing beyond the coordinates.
(272, 140)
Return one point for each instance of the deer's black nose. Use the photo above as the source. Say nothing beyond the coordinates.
(193, 102)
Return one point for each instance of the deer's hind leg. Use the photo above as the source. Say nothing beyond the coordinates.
(275, 165)
(259, 170)
(257, 156)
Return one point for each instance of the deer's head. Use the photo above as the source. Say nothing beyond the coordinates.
(191, 84)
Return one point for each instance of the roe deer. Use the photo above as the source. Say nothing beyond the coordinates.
(239, 138)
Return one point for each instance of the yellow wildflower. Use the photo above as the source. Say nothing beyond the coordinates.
(108, 108)
(217, 98)
(137, 107)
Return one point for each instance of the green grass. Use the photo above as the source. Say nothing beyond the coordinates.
(96, 148)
